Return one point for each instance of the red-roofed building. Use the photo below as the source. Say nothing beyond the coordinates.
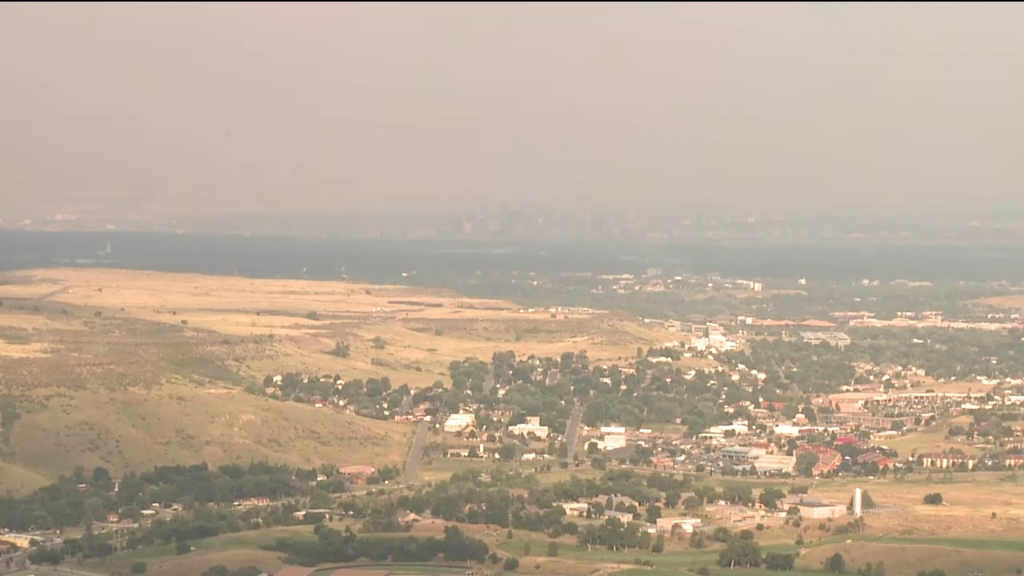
(356, 471)
(812, 323)
(877, 458)
(828, 459)
(846, 440)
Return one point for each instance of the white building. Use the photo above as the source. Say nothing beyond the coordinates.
(613, 442)
(459, 422)
(687, 525)
(532, 426)
(577, 509)
(738, 427)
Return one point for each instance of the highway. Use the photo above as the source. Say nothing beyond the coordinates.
(415, 453)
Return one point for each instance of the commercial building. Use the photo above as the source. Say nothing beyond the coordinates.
(836, 339)
(531, 426)
(459, 422)
(814, 509)
(687, 525)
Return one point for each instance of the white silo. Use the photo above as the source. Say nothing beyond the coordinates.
(858, 508)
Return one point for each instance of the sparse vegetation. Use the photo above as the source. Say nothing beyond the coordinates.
(341, 349)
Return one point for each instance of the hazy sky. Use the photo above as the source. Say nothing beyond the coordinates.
(791, 107)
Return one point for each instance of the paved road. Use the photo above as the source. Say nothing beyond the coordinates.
(413, 463)
(572, 429)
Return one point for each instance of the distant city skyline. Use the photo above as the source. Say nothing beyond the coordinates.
(779, 108)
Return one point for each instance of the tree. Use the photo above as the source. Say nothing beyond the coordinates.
(509, 535)
(653, 513)
(379, 343)
(511, 564)
(672, 498)
(769, 498)
(740, 552)
(835, 564)
(806, 462)
(320, 500)
(92, 509)
(101, 477)
(526, 548)
(341, 349)
(659, 544)
(779, 561)
(182, 548)
(45, 556)
(553, 549)
(933, 499)
(138, 568)
(312, 315)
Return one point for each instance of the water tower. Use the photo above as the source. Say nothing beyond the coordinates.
(858, 502)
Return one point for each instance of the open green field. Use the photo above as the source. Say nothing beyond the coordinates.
(1002, 553)
(932, 439)
(391, 570)
(232, 550)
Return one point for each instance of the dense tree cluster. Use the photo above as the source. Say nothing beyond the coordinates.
(333, 546)
(370, 398)
(615, 535)
(943, 354)
(83, 498)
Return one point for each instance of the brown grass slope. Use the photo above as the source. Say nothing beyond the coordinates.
(129, 369)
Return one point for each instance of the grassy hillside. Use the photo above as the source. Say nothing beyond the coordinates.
(179, 423)
(129, 369)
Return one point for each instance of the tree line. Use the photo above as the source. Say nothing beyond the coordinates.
(334, 546)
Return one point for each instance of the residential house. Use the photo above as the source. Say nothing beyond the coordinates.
(729, 514)
(616, 499)
(356, 471)
(947, 460)
(625, 517)
(575, 509)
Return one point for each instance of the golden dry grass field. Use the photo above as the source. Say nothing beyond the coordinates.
(128, 369)
(1008, 301)
(904, 558)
